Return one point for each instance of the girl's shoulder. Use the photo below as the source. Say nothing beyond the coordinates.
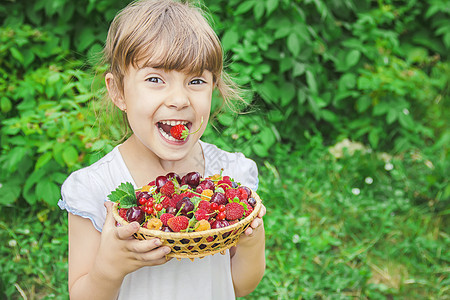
(234, 164)
(85, 190)
(109, 169)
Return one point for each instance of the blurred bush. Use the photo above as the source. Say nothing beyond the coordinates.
(372, 71)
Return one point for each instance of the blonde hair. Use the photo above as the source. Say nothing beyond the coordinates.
(169, 35)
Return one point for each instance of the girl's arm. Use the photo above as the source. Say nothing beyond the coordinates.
(248, 260)
(99, 262)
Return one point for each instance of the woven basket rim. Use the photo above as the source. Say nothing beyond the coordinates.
(189, 235)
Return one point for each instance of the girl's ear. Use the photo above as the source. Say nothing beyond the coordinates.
(114, 93)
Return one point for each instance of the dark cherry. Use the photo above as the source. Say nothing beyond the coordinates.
(135, 214)
(192, 179)
(219, 224)
(199, 189)
(160, 181)
(252, 201)
(207, 185)
(140, 195)
(249, 192)
(185, 205)
(219, 198)
(171, 210)
(174, 175)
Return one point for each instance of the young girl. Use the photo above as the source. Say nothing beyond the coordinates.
(164, 63)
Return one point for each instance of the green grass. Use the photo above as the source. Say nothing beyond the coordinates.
(324, 239)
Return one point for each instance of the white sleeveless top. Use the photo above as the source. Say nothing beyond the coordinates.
(84, 192)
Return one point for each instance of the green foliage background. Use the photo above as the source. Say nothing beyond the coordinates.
(315, 73)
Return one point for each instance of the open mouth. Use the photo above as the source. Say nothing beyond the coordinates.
(165, 126)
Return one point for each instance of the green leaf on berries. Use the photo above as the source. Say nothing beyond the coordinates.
(160, 213)
(124, 194)
(185, 187)
(219, 190)
(158, 198)
(196, 200)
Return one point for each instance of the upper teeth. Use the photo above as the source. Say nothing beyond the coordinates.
(173, 123)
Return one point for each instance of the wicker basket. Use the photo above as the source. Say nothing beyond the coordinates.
(197, 244)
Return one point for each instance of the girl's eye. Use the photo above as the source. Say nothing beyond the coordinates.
(197, 81)
(154, 80)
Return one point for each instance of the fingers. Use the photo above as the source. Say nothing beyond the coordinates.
(248, 231)
(127, 231)
(149, 251)
(109, 216)
(142, 246)
(256, 222)
(262, 212)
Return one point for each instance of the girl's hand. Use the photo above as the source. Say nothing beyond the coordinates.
(258, 221)
(120, 253)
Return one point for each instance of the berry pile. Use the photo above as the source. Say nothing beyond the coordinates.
(191, 203)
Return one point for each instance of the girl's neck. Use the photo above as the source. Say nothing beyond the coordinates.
(145, 166)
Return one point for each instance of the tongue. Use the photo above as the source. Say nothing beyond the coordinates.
(165, 127)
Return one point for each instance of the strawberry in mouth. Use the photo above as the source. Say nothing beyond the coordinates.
(176, 131)
(167, 127)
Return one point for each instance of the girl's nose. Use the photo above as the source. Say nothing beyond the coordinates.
(178, 99)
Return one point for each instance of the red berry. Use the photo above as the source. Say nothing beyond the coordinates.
(242, 194)
(234, 211)
(165, 217)
(201, 214)
(180, 132)
(231, 194)
(214, 206)
(142, 201)
(221, 208)
(206, 206)
(224, 184)
(178, 223)
(221, 216)
(123, 213)
(158, 206)
(248, 211)
(168, 188)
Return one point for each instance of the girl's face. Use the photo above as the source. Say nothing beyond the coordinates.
(155, 100)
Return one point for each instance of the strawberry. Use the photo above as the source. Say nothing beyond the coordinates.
(234, 211)
(224, 184)
(168, 189)
(165, 217)
(166, 202)
(231, 194)
(178, 223)
(179, 132)
(249, 209)
(201, 214)
(206, 205)
(242, 194)
(123, 213)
